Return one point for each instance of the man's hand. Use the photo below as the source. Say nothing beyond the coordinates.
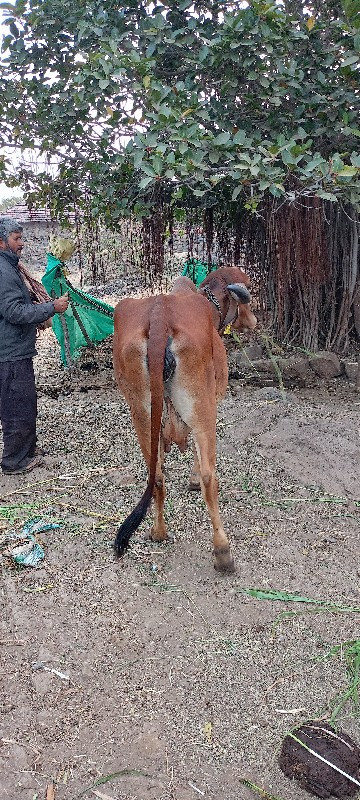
(61, 303)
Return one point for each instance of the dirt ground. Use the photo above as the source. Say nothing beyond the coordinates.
(171, 676)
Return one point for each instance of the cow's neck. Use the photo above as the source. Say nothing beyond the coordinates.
(225, 316)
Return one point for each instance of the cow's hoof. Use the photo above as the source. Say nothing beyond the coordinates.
(158, 535)
(194, 486)
(223, 560)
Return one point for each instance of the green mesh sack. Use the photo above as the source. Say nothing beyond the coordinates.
(197, 270)
(86, 321)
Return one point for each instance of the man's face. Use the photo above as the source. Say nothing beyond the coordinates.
(14, 243)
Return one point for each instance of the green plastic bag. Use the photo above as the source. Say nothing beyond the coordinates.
(86, 321)
(197, 270)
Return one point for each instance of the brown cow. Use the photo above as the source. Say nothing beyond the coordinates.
(171, 367)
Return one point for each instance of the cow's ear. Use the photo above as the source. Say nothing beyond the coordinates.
(239, 292)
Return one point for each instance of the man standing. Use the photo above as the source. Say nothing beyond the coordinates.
(19, 318)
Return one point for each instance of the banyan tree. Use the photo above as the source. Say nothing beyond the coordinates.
(237, 118)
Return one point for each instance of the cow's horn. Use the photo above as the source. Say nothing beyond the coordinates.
(239, 292)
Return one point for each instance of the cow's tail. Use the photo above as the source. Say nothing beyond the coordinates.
(157, 339)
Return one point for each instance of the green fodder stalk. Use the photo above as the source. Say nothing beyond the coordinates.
(290, 597)
(260, 792)
(275, 364)
(349, 652)
(238, 341)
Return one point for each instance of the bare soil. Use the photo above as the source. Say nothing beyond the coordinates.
(172, 674)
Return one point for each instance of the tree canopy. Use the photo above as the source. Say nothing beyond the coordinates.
(191, 102)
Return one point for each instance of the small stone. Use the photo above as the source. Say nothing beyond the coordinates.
(265, 365)
(271, 394)
(296, 368)
(252, 352)
(351, 370)
(326, 364)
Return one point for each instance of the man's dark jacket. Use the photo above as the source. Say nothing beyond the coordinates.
(19, 316)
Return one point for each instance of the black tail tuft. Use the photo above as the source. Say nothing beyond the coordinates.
(131, 523)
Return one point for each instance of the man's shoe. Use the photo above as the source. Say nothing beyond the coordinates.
(36, 461)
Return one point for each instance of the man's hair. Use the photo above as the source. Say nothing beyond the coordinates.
(9, 225)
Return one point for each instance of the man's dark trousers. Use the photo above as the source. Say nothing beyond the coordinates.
(18, 411)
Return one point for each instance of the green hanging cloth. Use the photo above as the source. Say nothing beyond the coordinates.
(86, 321)
(197, 270)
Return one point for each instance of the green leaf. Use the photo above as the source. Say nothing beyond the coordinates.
(236, 192)
(203, 52)
(239, 137)
(138, 159)
(157, 165)
(197, 158)
(222, 138)
(327, 195)
(151, 49)
(287, 157)
(150, 140)
(164, 111)
(347, 172)
(148, 169)
(14, 29)
(244, 157)
(352, 59)
(158, 21)
(145, 182)
(275, 191)
(6, 42)
(314, 163)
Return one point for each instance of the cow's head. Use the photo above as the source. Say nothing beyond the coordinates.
(227, 290)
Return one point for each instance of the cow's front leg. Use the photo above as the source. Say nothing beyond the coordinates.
(223, 559)
(159, 531)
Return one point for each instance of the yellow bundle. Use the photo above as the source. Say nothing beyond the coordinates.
(61, 248)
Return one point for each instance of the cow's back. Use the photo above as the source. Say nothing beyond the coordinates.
(197, 348)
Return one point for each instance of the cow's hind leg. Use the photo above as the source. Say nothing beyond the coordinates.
(141, 421)
(205, 447)
(195, 477)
